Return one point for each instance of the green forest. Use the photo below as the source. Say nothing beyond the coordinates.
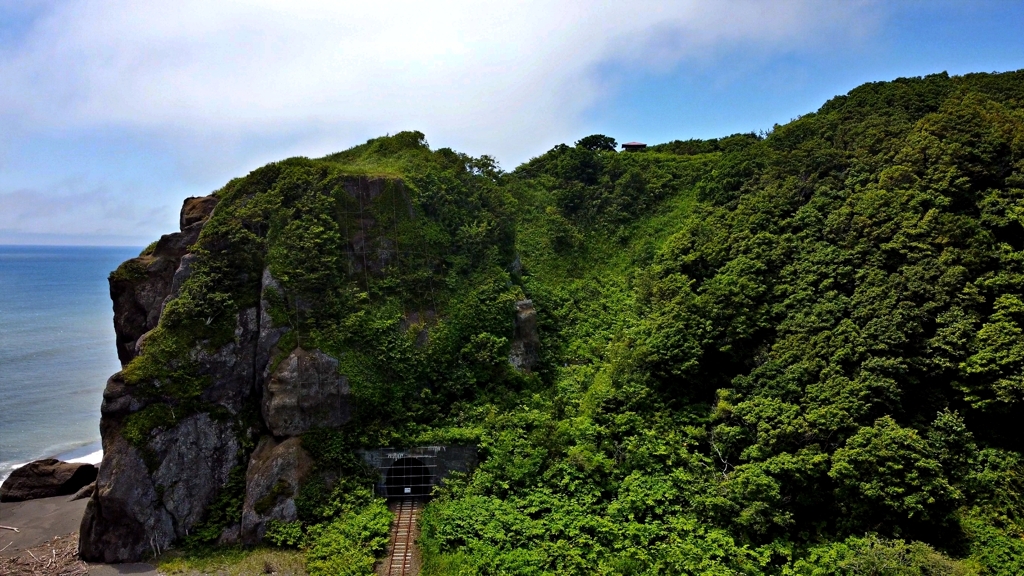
(798, 352)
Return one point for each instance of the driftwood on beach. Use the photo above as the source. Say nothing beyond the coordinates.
(58, 556)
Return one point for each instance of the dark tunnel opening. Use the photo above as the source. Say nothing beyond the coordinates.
(408, 478)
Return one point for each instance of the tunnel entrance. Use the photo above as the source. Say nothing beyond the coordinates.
(417, 469)
(408, 478)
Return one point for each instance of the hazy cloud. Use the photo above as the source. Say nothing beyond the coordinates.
(72, 214)
(159, 100)
(496, 77)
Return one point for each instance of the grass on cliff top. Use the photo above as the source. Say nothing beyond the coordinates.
(395, 156)
(233, 561)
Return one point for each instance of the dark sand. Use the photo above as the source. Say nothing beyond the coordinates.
(40, 521)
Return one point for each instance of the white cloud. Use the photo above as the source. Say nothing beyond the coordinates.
(75, 214)
(505, 78)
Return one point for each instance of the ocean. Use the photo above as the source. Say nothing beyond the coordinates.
(56, 350)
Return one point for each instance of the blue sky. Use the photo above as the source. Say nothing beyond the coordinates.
(112, 112)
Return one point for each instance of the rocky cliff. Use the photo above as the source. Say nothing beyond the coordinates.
(228, 334)
(141, 286)
(148, 496)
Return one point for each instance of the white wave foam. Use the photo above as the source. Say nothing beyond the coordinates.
(91, 458)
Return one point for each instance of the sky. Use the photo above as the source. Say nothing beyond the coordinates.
(114, 111)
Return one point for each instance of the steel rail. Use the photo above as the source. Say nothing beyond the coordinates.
(400, 553)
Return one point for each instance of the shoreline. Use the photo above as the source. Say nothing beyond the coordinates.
(87, 453)
(91, 453)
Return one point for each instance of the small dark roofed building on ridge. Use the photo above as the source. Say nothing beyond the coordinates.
(633, 146)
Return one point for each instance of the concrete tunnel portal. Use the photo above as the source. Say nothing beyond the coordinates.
(414, 472)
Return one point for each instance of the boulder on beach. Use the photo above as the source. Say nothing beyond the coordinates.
(84, 492)
(46, 478)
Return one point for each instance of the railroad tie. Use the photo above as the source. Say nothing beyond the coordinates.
(402, 548)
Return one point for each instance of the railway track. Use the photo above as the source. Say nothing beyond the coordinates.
(403, 558)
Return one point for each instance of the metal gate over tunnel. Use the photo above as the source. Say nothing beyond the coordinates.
(414, 472)
(408, 477)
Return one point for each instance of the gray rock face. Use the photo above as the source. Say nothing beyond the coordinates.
(183, 271)
(196, 457)
(118, 400)
(134, 513)
(45, 479)
(304, 392)
(276, 470)
(369, 251)
(420, 323)
(231, 367)
(524, 353)
(144, 283)
(269, 335)
(123, 520)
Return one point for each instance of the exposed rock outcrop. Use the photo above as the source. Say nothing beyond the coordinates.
(149, 495)
(524, 353)
(181, 274)
(231, 368)
(152, 494)
(118, 402)
(195, 459)
(45, 479)
(305, 392)
(270, 335)
(420, 324)
(276, 471)
(369, 251)
(123, 520)
(135, 511)
(140, 286)
(196, 209)
(84, 492)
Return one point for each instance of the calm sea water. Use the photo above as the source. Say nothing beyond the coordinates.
(56, 349)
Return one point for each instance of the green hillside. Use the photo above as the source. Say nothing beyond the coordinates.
(799, 352)
(793, 354)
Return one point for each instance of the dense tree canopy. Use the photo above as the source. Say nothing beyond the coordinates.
(597, 142)
(797, 352)
(765, 349)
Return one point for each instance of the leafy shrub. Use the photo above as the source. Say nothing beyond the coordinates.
(129, 271)
(597, 142)
(887, 472)
(871, 555)
(285, 534)
(350, 544)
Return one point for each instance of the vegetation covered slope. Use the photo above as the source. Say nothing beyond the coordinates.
(390, 258)
(360, 272)
(792, 353)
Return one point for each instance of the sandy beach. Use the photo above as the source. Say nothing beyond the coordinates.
(38, 521)
(45, 527)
